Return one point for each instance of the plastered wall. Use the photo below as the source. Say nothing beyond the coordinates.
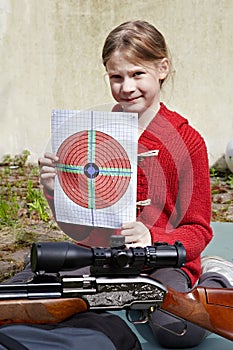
(50, 57)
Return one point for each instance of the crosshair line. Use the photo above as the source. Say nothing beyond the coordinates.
(66, 168)
(91, 157)
(77, 169)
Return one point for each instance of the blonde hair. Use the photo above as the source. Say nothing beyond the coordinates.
(139, 40)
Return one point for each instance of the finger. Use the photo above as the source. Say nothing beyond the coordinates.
(51, 156)
(129, 240)
(128, 225)
(135, 245)
(46, 176)
(43, 162)
(48, 169)
(48, 158)
(127, 232)
(131, 245)
(47, 180)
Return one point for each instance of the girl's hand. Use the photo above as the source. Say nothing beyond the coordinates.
(47, 166)
(136, 234)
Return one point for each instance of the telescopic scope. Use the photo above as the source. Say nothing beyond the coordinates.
(53, 257)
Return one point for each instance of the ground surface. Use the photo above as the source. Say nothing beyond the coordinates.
(24, 217)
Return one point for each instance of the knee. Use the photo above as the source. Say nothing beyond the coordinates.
(179, 335)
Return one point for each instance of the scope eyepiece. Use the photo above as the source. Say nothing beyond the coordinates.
(165, 255)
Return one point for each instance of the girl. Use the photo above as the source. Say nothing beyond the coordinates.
(173, 189)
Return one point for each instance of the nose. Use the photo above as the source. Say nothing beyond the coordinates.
(128, 85)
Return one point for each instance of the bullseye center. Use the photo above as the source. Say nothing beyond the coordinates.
(91, 170)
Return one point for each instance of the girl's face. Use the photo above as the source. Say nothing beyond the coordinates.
(135, 86)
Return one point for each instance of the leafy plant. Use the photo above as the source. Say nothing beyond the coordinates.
(20, 196)
(230, 180)
(36, 202)
(213, 172)
(8, 211)
(17, 160)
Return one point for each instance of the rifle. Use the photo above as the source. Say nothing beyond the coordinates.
(115, 283)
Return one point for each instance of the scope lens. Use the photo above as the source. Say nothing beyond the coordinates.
(59, 256)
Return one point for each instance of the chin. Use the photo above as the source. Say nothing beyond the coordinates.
(132, 108)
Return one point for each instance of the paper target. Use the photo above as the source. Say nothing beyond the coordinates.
(97, 168)
(94, 170)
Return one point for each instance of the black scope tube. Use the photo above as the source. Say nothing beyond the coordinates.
(53, 257)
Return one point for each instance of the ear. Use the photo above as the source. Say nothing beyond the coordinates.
(163, 68)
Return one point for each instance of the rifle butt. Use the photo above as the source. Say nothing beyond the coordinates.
(210, 308)
(40, 311)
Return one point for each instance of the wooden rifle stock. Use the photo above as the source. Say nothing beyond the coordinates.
(40, 311)
(210, 308)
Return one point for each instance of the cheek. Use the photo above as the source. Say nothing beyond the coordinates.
(115, 90)
(152, 88)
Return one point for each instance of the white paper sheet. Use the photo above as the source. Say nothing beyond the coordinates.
(97, 170)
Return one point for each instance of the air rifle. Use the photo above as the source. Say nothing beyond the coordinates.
(116, 282)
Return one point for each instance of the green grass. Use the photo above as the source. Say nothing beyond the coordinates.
(21, 198)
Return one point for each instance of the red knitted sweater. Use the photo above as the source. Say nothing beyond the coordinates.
(177, 184)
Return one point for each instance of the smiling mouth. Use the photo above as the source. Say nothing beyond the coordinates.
(130, 100)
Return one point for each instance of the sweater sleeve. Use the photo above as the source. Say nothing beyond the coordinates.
(186, 214)
(189, 221)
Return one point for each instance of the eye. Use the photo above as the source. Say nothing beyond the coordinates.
(115, 77)
(138, 73)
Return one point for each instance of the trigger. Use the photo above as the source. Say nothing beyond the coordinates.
(137, 316)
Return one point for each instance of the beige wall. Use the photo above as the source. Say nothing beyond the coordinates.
(50, 57)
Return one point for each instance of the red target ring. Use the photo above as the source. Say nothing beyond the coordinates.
(94, 170)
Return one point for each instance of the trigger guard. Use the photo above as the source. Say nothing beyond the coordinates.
(143, 317)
